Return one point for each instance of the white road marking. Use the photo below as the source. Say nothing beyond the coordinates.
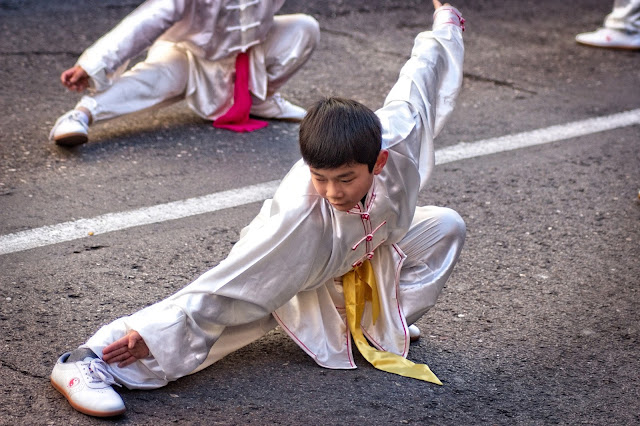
(73, 230)
(556, 133)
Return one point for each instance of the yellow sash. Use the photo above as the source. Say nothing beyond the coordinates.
(359, 286)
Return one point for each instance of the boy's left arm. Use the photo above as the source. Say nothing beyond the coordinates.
(419, 103)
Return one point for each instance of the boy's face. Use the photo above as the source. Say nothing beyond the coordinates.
(346, 185)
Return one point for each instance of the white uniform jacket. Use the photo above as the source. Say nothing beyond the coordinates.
(287, 259)
(212, 33)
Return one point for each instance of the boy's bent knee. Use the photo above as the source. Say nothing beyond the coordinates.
(448, 220)
(453, 223)
(300, 23)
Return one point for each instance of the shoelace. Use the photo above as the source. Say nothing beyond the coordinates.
(279, 100)
(97, 369)
(77, 115)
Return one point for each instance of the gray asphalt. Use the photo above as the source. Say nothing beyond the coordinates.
(538, 324)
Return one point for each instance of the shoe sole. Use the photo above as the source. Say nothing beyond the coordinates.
(85, 410)
(71, 139)
(607, 47)
(289, 120)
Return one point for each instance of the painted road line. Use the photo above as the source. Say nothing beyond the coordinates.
(464, 150)
(110, 222)
(68, 231)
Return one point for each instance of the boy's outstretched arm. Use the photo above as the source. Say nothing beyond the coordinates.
(126, 350)
(422, 99)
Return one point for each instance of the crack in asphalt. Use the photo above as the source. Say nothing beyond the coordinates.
(18, 370)
(497, 82)
(40, 53)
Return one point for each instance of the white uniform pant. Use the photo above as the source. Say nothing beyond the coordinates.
(432, 247)
(624, 16)
(166, 74)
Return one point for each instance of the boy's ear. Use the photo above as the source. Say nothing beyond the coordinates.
(381, 161)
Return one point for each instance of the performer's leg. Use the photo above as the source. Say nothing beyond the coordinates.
(236, 337)
(85, 379)
(432, 246)
(147, 374)
(621, 28)
(160, 78)
(288, 46)
(625, 16)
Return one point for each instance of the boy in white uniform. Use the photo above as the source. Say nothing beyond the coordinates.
(340, 253)
(193, 45)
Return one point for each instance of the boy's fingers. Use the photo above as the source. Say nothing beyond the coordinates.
(122, 342)
(128, 361)
(133, 339)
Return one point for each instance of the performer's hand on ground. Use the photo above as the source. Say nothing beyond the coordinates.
(127, 350)
(75, 78)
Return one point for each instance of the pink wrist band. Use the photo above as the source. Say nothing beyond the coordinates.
(453, 17)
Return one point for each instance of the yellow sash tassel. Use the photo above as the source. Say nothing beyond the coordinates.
(359, 286)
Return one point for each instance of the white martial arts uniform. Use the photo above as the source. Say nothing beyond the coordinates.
(625, 16)
(288, 262)
(192, 48)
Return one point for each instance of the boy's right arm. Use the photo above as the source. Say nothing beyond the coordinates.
(75, 78)
(127, 350)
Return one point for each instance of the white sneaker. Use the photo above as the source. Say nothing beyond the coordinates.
(70, 129)
(277, 107)
(86, 385)
(414, 333)
(615, 39)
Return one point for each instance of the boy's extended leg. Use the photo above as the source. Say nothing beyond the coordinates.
(289, 45)
(86, 381)
(160, 79)
(432, 246)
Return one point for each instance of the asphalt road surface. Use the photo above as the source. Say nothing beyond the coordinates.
(539, 322)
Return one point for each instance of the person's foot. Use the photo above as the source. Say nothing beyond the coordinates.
(87, 386)
(276, 107)
(414, 333)
(613, 39)
(72, 128)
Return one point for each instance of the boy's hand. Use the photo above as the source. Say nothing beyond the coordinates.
(437, 4)
(75, 78)
(126, 350)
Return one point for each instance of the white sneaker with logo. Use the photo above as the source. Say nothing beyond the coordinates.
(614, 39)
(277, 107)
(87, 386)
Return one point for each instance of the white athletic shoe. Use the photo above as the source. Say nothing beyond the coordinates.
(87, 386)
(277, 107)
(614, 39)
(70, 129)
(414, 333)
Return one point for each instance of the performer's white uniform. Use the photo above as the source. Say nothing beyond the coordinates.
(192, 48)
(288, 262)
(625, 16)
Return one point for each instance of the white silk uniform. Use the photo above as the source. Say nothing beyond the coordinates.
(192, 49)
(288, 262)
(625, 16)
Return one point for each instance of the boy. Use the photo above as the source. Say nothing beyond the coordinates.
(341, 250)
(195, 50)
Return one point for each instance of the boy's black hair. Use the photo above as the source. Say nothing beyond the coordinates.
(337, 132)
